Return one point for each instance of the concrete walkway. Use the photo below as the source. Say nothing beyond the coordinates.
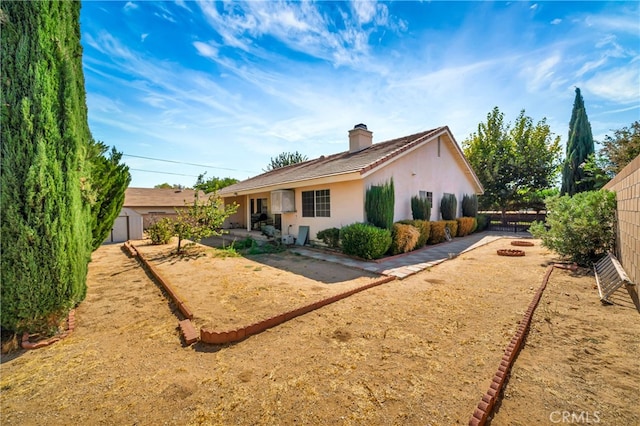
(410, 263)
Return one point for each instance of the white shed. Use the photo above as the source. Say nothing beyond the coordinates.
(127, 226)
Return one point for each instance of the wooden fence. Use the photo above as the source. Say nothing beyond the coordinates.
(512, 221)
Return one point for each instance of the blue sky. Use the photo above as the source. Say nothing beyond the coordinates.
(226, 86)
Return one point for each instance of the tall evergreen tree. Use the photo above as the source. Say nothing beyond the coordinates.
(579, 146)
(109, 180)
(46, 217)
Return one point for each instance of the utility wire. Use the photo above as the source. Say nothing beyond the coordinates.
(188, 164)
(162, 173)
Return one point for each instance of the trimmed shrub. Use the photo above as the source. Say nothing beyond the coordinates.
(423, 226)
(581, 227)
(365, 241)
(403, 238)
(330, 237)
(161, 231)
(437, 234)
(448, 207)
(420, 208)
(483, 222)
(453, 227)
(475, 225)
(470, 205)
(466, 225)
(379, 205)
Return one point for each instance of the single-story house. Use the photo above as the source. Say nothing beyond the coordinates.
(143, 206)
(329, 191)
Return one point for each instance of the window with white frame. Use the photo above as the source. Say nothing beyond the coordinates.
(316, 203)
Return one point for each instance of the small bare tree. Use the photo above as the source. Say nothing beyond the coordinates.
(202, 219)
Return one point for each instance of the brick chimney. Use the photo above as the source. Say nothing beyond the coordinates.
(360, 138)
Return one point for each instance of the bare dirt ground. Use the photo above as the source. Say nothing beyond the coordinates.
(226, 292)
(414, 352)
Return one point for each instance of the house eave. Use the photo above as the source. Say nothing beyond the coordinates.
(301, 183)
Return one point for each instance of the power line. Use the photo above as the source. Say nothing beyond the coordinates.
(162, 173)
(188, 164)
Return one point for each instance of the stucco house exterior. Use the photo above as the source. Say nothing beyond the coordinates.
(329, 191)
(144, 205)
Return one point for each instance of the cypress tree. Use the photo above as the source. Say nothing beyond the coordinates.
(109, 180)
(46, 217)
(579, 146)
(379, 204)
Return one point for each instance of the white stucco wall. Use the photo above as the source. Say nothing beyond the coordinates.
(423, 170)
(347, 202)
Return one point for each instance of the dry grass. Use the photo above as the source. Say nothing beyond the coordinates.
(412, 352)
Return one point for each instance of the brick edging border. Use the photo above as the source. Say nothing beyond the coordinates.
(173, 294)
(228, 336)
(489, 400)
(71, 325)
(222, 337)
(186, 327)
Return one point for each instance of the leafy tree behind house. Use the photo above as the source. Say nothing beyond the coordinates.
(618, 151)
(512, 163)
(621, 148)
(286, 159)
(167, 185)
(46, 190)
(213, 184)
(579, 146)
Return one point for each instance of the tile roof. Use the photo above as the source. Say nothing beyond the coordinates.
(341, 163)
(154, 197)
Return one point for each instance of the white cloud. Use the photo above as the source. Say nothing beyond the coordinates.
(300, 26)
(540, 73)
(556, 21)
(365, 11)
(182, 4)
(619, 23)
(618, 85)
(591, 65)
(130, 6)
(144, 36)
(206, 49)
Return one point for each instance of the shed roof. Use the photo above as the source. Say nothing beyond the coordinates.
(159, 197)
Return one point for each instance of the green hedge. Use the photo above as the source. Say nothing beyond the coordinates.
(483, 222)
(420, 208)
(448, 207)
(469, 205)
(161, 231)
(365, 241)
(330, 236)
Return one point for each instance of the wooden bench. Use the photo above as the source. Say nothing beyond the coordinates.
(610, 276)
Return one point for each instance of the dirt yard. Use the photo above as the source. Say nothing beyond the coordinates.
(420, 351)
(227, 292)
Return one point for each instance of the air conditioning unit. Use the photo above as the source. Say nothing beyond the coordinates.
(287, 239)
(283, 201)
